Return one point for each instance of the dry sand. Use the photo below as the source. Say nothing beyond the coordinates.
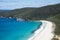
(43, 33)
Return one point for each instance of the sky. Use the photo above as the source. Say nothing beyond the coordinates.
(14, 4)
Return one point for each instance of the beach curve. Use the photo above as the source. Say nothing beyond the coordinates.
(43, 33)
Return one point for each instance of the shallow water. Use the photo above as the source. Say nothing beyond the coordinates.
(10, 29)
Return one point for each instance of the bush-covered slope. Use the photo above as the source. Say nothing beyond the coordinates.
(56, 20)
(4, 12)
(40, 13)
(12, 13)
(34, 13)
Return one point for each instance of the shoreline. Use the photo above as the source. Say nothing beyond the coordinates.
(43, 33)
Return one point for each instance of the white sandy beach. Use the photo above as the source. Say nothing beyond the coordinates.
(44, 33)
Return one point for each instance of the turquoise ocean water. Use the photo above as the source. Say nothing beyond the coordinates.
(10, 29)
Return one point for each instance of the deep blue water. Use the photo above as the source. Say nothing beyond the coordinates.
(10, 29)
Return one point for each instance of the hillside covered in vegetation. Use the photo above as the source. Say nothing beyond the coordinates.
(33, 13)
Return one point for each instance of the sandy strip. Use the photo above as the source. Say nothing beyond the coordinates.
(44, 33)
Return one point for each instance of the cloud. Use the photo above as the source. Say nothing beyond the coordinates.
(8, 1)
(12, 4)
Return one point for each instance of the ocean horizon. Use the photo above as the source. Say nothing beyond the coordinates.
(11, 29)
